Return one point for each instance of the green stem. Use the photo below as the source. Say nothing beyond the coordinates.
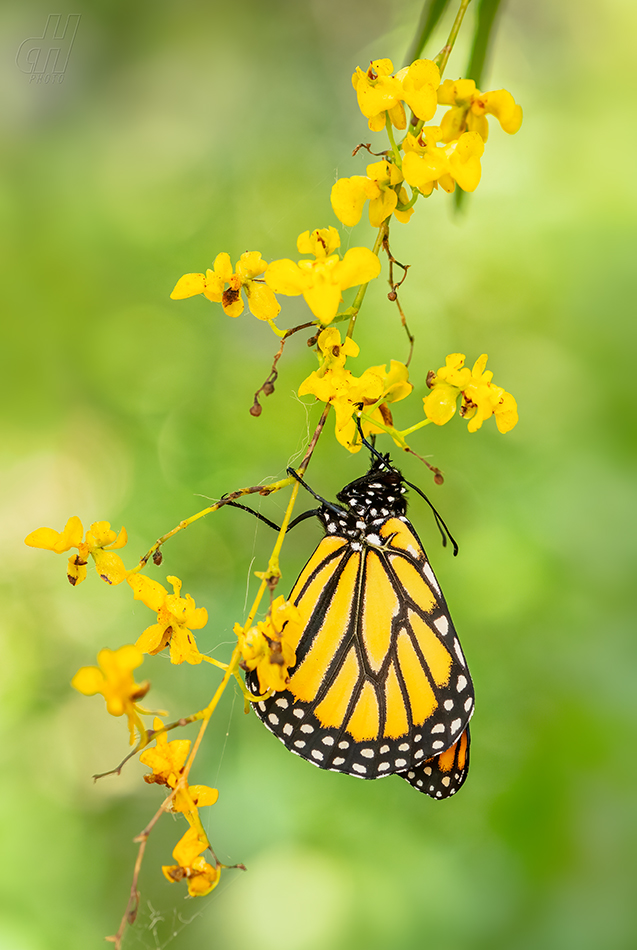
(443, 55)
(418, 425)
(362, 290)
(431, 14)
(392, 140)
(415, 194)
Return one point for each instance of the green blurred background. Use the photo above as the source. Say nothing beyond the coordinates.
(184, 129)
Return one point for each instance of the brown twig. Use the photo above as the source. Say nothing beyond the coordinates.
(312, 443)
(132, 905)
(150, 735)
(130, 914)
(393, 293)
(367, 146)
(438, 476)
(268, 386)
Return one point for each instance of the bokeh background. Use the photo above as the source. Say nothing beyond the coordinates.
(184, 129)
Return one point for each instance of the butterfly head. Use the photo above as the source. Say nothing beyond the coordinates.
(379, 493)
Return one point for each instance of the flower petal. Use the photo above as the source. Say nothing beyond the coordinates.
(188, 286)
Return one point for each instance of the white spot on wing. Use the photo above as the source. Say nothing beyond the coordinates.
(282, 703)
(367, 753)
(459, 652)
(400, 763)
(438, 728)
(287, 729)
(448, 704)
(359, 768)
(462, 682)
(338, 761)
(327, 740)
(455, 725)
(299, 713)
(273, 719)
(317, 755)
(306, 728)
(441, 624)
(431, 577)
(437, 744)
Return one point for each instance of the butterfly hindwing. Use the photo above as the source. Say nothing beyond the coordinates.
(444, 774)
(380, 684)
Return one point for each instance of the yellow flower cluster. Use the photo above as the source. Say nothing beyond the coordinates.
(266, 646)
(442, 155)
(334, 384)
(167, 760)
(481, 399)
(321, 281)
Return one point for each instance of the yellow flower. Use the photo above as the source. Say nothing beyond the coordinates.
(100, 543)
(332, 383)
(175, 616)
(166, 759)
(261, 300)
(427, 164)
(419, 82)
(481, 399)
(350, 194)
(322, 280)
(267, 646)
(197, 795)
(332, 352)
(200, 876)
(114, 680)
(469, 108)
(379, 93)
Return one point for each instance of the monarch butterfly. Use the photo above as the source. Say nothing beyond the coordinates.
(380, 685)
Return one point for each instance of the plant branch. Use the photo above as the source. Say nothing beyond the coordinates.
(267, 388)
(443, 56)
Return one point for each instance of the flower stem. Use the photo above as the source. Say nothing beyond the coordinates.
(431, 12)
(418, 425)
(392, 141)
(443, 55)
(360, 296)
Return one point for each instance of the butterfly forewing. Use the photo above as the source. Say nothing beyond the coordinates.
(380, 684)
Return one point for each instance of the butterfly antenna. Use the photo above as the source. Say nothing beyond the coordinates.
(324, 501)
(440, 524)
(366, 443)
(442, 527)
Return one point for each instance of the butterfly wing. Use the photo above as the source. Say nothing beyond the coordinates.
(380, 684)
(444, 774)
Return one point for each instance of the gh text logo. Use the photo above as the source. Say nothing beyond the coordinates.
(45, 57)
